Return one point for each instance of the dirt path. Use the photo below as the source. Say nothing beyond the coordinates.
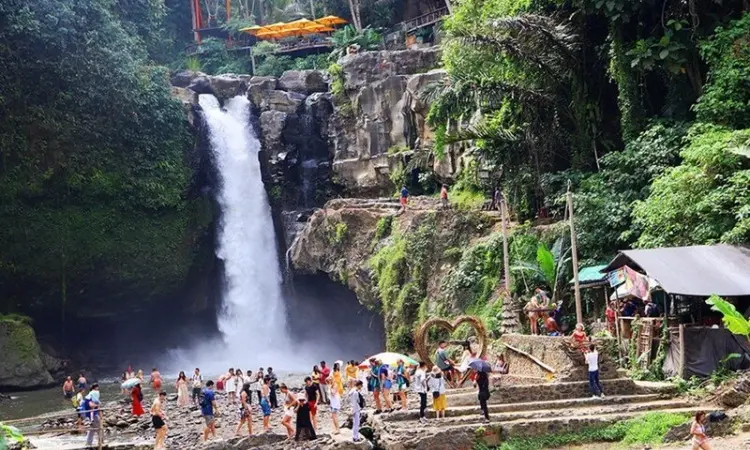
(738, 442)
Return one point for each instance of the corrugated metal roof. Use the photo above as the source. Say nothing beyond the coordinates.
(591, 275)
(700, 270)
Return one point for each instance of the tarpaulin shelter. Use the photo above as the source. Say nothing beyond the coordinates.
(688, 275)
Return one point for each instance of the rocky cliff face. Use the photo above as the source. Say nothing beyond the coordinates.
(379, 118)
(23, 364)
(406, 265)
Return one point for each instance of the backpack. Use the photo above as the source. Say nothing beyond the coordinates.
(361, 400)
(76, 402)
(202, 400)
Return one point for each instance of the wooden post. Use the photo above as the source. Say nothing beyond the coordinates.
(574, 251)
(506, 255)
(681, 365)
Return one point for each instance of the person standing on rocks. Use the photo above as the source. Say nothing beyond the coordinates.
(245, 412)
(209, 410)
(183, 398)
(419, 385)
(373, 383)
(158, 419)
(259, 383)
(305, 420)
(404, 200)
(386, 383)
(136, 397)
(592, 359)
(444, 196)
(290, 403)
(230, 385)
(197, 380)
(265, 405)
(351, 374)
(272, 387)
(312, 393)
(335, 402)
(325, 372)
(443, 362)
(91, 406)
(358, 402)
(155, 380)
(483, 385)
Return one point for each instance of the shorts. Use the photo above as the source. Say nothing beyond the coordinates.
(196, 392)
(313, 407)
(265, 407)
(209, 419)
(448, 374)
(404, 201)
(69, 395)
(81, 386)
(334, 410)
(220, 385)
(289, 412)
(157, 421)
(157, 385)
(387, 384)
(244, 413)
(440, 403)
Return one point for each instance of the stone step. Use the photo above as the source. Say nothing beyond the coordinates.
(541, 392)
(455, 411)
(441, 435)
(473, 415)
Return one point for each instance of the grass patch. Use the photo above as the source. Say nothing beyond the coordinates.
(649, 428)
(384, 227)
(339, 233)
(467, 199)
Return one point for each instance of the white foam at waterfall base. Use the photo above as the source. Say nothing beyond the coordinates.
(252, 319)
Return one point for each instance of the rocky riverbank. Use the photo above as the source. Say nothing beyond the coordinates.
(124, 431)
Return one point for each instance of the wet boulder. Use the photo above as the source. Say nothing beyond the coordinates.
(303, 81)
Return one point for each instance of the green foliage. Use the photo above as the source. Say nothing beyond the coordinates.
(473, 280)
(733, 320)
(193, 64)
(401, 280)
(383, 227)
(337, 80)
(93, 168)
(726, 95)
(704, 200)
(603, 200)
(367, 39)
(548, 267)
(668, 51)
(650, 428)
(339, 233)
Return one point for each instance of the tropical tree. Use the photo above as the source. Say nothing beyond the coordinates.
(548, 267)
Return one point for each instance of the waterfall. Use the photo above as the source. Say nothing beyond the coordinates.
(253, 318)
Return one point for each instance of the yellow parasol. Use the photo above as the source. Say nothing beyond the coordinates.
(252, 30)
(331, 20)
(273, 34)
(300, 24)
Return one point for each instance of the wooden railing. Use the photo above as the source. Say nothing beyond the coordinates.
(425, 19)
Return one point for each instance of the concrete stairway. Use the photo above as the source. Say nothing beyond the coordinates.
(523, 411)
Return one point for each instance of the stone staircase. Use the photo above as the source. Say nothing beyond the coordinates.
(525, 410)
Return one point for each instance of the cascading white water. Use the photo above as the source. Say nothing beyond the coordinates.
(252, 320)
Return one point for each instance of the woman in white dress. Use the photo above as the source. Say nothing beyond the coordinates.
(230, 385)
(239, 382)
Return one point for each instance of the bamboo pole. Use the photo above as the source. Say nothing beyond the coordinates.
(574, 250)
(506, 255)
(681, 366)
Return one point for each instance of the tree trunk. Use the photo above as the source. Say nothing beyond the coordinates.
(354, 8)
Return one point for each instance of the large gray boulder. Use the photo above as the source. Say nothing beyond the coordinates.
(319, 107)
(288, 102)
(259, 87)
(184, 78)
(228, 85)
(303, 81)
(21, 363)
(200, 85)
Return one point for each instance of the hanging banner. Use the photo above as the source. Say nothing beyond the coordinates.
(616, 277)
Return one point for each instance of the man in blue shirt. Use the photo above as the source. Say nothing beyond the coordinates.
(404, 198)
(209, 409)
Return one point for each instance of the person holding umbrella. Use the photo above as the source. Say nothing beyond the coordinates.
(482, 368)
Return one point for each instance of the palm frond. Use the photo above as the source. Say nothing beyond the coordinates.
(483, 132)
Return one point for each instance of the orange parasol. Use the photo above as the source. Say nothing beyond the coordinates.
(331, 20)
(255, 29)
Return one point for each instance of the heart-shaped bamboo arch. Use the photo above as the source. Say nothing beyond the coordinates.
(421, 343)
